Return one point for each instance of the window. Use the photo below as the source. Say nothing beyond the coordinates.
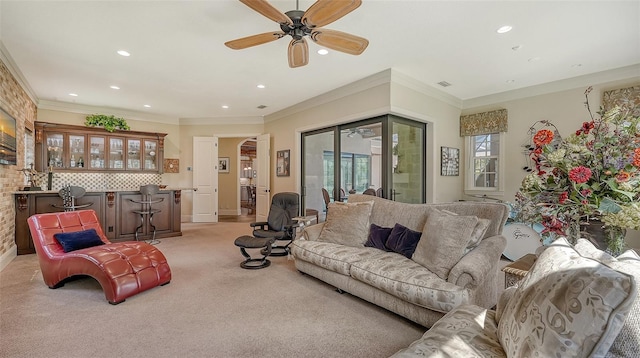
(484, 163)
(355, 170)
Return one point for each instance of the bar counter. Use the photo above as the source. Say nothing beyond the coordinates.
(114, 208)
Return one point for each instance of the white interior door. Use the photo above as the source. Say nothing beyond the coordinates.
(263, 196)
(205, 179)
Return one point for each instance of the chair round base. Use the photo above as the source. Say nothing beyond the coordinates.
(249, 242)
(254, 264)
(275, 251)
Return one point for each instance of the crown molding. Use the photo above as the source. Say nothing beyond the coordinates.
(623, 73)
(6, 58)
(411, 83)
(222, 120)
(85, 109)
(333, 95)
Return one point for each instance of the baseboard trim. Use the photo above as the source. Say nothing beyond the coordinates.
(8, 256)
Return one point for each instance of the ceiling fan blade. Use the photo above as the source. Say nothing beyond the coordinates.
(254, 40)
(340, 41)
(324, 12)
(298, 53)
(267, 10)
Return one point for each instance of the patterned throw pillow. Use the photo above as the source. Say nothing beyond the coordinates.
(443, 242)
(347, 223)
(567, 305)
(626, 343)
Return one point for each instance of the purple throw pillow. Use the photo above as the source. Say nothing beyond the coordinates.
(403, 240)
(378, 236)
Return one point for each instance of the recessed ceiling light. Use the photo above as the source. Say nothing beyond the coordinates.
(124, 53)
(147, 106)
(511, 81)
(323, 51)
(504, 29)
(261, 86)
(534, 59)
(576, 65)
(517, 47)
(73, 94)
(114, 87)
(225, 106)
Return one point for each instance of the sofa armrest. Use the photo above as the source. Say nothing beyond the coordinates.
(312, 232)
(473, 269)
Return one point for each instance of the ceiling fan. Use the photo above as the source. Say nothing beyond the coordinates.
(298, 24)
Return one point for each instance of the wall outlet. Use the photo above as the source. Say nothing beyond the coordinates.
(188, 169)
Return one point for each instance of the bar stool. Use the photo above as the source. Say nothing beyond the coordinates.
(69, 194)
(146, 211)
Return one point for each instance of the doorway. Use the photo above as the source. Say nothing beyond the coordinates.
(248, 174)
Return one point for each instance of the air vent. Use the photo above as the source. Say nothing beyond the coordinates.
(444, 83)
(262, 106)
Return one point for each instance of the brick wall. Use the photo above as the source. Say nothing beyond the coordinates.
(15, 101)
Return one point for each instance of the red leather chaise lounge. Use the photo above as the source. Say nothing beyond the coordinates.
(123, 269)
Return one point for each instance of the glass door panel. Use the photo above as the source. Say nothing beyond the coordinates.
(76, 149)
(361, 158)
(407, 151)
(55, 150)
(96, 152)
(133, 154)
(150, 150)
(116, 153)
(318, 148)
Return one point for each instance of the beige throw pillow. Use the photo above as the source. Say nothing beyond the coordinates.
(626, 342)
(567, 305)
(443, 242)
(478, 231)
(347, 223)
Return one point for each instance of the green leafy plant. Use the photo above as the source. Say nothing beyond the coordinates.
(109, 123)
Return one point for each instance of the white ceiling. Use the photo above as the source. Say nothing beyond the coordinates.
(181, 68)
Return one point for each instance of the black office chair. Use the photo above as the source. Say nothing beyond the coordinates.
(280, 224)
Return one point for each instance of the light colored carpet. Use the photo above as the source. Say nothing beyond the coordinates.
(211, 308)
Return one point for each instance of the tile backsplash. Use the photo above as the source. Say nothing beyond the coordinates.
(99, 181)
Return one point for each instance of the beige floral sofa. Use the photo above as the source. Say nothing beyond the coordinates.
(455, 261)
(574, 302)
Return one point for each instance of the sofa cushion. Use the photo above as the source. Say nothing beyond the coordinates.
(567, 304)
(347, 223)
(443, 242)
(467, 331)
(403, 240)
(409, 281)
(334, 257)
(76, 240)
(478, 231)
(378, 237)
(627, 342)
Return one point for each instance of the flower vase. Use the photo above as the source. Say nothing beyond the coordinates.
(609, 239)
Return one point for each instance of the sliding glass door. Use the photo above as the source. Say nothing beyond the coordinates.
(385, 154)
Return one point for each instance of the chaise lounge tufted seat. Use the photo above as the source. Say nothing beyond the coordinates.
(123, 269)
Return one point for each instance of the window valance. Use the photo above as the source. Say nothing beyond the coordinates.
(483, 123)
(623, 97)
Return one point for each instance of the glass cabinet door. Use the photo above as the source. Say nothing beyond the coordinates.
(97, 153)
(55, 150)
(116, 153)
(133, 154)
(76, 151)
(150, 154)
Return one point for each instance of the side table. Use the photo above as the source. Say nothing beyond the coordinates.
(518, 269)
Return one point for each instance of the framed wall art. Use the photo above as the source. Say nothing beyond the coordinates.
(282, 163)
(449, 161)
(223, 165)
